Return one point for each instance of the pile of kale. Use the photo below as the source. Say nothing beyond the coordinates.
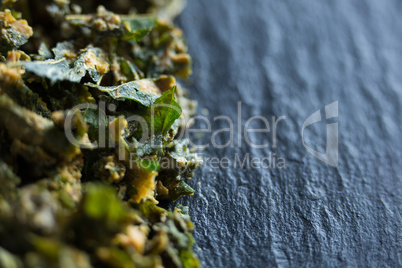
(90, 111)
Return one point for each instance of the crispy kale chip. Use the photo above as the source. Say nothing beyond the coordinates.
(14, 32)
(90, 61)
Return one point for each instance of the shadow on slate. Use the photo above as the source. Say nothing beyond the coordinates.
(291, 58)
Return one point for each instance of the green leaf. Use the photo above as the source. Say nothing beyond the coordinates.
(89, 61)
(181, 189)
(137, 27)
(164, 112)
(128, 91)
(54, 70)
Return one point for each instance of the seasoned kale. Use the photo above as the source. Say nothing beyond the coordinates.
(89, 112)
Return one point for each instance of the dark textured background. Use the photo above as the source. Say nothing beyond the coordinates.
(292, 58)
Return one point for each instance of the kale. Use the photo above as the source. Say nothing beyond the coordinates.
(91, 60)
(128, 91)
(81, 180)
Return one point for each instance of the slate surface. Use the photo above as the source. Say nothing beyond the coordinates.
(291, 58)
